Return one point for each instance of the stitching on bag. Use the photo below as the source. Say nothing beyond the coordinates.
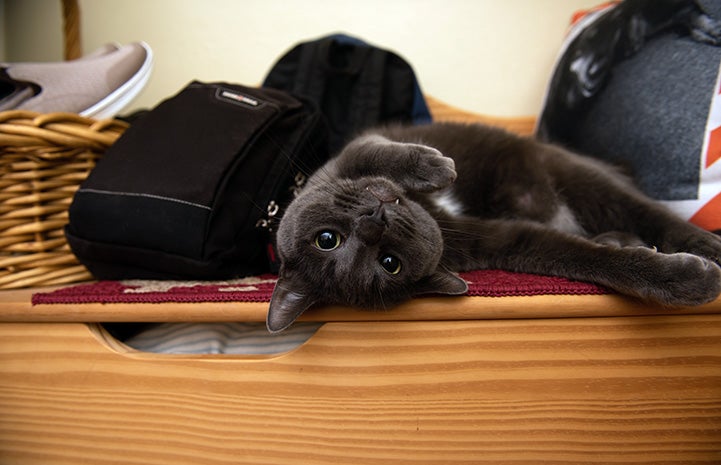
(151, 196)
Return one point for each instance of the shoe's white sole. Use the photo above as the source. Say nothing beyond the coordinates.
(121, 97)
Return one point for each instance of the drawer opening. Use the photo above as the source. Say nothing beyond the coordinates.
(251, 338)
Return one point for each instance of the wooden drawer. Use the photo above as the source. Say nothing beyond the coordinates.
(631, 388)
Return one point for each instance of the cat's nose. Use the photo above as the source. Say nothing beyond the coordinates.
(371, 227)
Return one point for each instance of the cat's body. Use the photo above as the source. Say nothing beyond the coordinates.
(402, 209)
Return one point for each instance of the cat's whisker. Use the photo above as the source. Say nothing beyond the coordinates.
(261, 208)
(378, 295)
(322, 182)
(315, 156)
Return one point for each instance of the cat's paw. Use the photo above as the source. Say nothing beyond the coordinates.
(429, 170)
(704, 244)
(683, 279)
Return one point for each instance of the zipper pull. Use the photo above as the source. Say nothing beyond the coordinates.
(273, 208)
(298, 183)
(271, 212)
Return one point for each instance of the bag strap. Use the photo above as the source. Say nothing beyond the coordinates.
(367, 97)
(309, 77)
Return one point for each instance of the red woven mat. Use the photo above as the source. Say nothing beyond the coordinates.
(488, 283)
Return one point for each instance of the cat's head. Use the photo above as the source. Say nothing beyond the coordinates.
(356, 242)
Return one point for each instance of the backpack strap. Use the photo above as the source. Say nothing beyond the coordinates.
(420, 113)
(310, 79)
(367, 97)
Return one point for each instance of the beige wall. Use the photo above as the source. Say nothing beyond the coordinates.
(2, 30)
(489, 56)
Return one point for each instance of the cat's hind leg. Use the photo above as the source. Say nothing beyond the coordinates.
(603, 200)
(675, 279)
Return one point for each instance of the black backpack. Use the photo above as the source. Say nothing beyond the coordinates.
(192, 189)
(355, 85)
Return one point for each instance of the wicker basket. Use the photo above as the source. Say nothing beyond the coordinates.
(43, 160)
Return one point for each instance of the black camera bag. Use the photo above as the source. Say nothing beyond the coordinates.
(192, 189)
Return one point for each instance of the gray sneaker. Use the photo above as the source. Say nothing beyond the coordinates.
(98, 85)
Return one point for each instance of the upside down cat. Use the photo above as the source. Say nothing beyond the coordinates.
(402, 209)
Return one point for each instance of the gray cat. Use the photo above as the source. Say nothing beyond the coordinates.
(401, 210)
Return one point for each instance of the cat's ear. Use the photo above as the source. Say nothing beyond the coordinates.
(285, 306)
(442, 282)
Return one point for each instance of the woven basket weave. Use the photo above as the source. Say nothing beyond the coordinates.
(43, 160)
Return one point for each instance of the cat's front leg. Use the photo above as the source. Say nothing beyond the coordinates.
(415, 167)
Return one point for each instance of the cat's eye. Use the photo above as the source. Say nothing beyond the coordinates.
(391, 264)
(327, 240)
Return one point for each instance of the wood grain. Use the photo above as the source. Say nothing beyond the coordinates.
(623, 390)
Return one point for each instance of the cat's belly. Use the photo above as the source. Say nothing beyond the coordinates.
(446, 201)
(564, 220)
